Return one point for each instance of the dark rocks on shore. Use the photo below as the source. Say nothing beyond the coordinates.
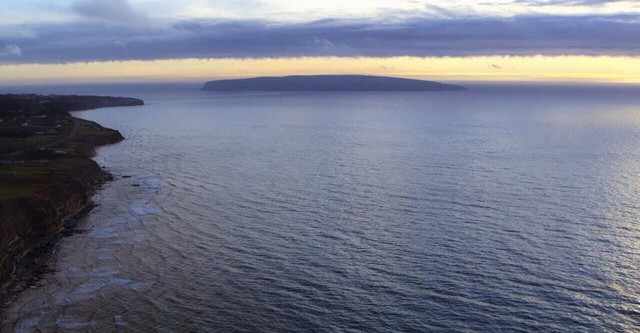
(35, 205)
(30, 226)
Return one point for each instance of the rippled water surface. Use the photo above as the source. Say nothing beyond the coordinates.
(494, 209)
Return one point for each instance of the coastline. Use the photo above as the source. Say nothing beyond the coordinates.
(36, 211)
(29, 264)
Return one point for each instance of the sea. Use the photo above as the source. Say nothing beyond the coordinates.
(502, 208)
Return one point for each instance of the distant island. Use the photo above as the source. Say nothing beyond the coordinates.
(46, 173)
(328, 83)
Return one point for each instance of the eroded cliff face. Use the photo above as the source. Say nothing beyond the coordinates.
(47, 178)
(25, 222)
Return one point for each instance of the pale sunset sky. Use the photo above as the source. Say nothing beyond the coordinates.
(590, 41)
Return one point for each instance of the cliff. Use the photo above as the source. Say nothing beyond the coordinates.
(328, 83)
(25, 222)
(46, 173)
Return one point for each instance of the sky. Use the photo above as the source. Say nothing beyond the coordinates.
(454, 40)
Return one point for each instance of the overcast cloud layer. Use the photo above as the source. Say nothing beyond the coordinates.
(112, 30)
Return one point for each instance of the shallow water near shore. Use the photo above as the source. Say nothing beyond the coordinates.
(494, 209)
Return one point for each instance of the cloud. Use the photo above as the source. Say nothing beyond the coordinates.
(535, 3)
(324, 43)
(413, 36)
(439, 11)
(11, 50)
(545, 2)
(119, 11)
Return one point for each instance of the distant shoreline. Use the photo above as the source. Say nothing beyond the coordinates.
(347, 83)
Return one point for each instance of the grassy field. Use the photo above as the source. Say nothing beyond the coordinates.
(25, 179)
(42, 145)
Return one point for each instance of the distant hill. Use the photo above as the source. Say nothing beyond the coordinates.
(39, 104)
(328, 83)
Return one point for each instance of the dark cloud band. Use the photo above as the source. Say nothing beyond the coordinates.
(522, 35)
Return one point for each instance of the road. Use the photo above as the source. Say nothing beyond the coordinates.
(74, 131)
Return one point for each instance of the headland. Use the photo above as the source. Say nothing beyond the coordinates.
(328, 83)
(46, 170)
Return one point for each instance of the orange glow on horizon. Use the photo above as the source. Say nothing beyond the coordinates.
(477, 68)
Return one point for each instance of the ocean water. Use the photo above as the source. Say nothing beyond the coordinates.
(497, 209)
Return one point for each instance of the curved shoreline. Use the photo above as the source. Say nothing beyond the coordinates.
(44, 190)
